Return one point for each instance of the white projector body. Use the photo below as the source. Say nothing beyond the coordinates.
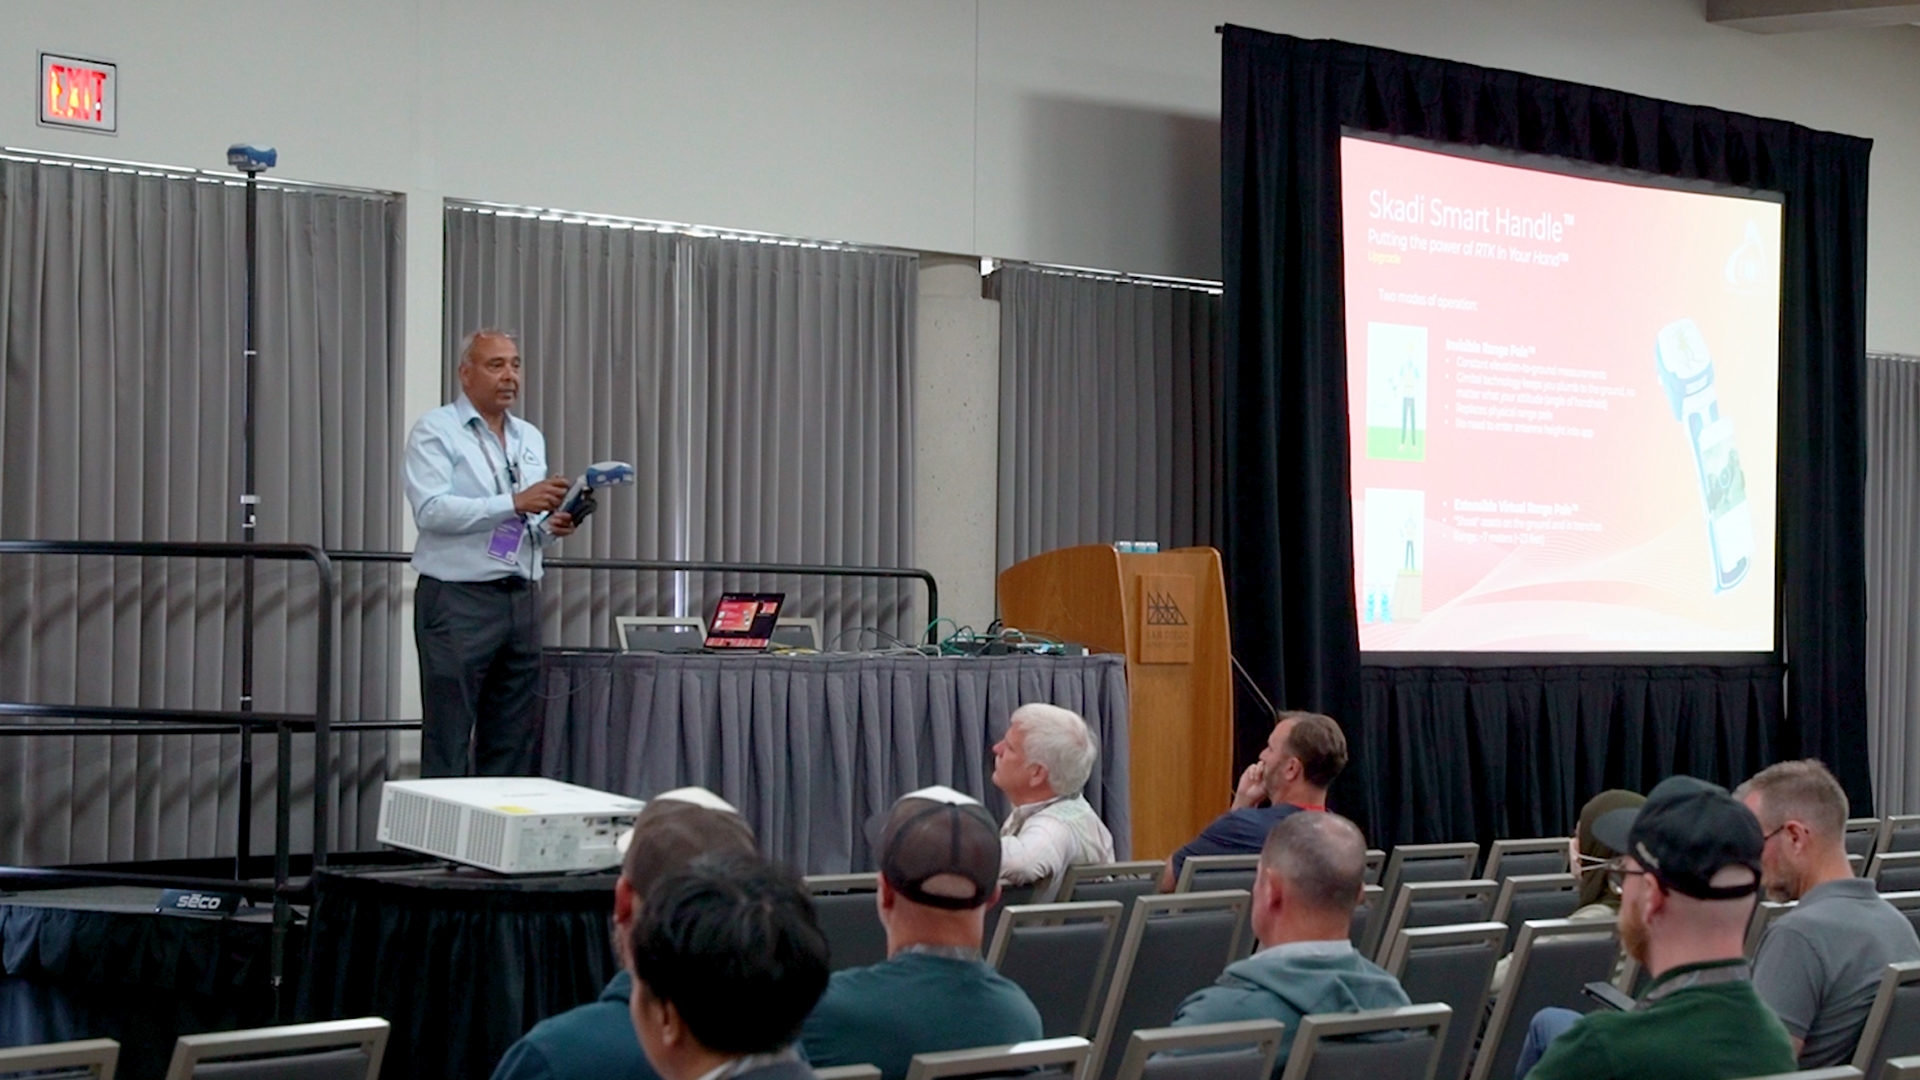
(507, 824)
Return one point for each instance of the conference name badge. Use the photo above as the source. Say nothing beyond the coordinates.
(505, 542)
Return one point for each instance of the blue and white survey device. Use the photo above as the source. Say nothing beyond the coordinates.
(1686, 374)
(579, 500)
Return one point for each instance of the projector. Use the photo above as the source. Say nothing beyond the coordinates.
(507, 824)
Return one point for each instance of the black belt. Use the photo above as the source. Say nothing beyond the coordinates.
(510, 583)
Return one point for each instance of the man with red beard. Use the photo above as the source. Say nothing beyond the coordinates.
(1688, 881)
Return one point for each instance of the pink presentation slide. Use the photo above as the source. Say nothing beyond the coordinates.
(1563, 395)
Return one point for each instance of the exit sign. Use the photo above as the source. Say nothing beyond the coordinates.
(76, 93)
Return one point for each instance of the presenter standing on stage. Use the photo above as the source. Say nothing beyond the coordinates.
(476, 475)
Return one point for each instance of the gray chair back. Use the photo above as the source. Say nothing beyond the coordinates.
(1336, 1046)
(1906, 1068)
(1451, 965)
(1901, 832)
(1376, 865)
(329, 1050)
(1120, 881)
(1552, 961)
(1863, 836)
(1507, 858)
(847, 1072)
(1527, 897)
(1893, 1024)
(1764, 913)
(1172, 945)
(845, 907)
(1429, 862)
(1435, 903)
(1241, 1050)
(1367, 917)
(1895, 871)
(1211, 873)
(1038, 892)
(83, 1057)
(1906, 903)
(1058, 954)
(1064, 1058)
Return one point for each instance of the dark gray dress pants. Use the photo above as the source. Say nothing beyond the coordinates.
(479, 661)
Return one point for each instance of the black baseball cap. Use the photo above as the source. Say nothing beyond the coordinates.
(1688, 831)
(939, 847)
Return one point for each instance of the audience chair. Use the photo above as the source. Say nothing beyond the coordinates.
(1552, 961)
(1065, 1059)
(1211, 873)
(1452, 965)
(1510, 857)
(97, 1057)
(1863, 836)
(1242, 1050)
(1895, 871)
(1764, 913)
(1058, 953)
(1038, 892)
(1906, 1068)
(1906, 903)
(1367, 917)
(1120, 881)
(849, 916)
(1177, 943)
(1857, 864)
(1434, 903)
(1525, 897)
(1376, 864)
(1901, 832)
(1428, 862)
(848, 1072)
(1330, 1046)
(1893, 1025)
(329, 1050)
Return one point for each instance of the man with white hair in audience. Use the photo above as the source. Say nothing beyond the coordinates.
(1042, 765)
(1820, 964)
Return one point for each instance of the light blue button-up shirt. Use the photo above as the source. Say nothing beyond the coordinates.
(461, 482)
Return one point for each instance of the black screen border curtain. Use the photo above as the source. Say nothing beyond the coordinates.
(1289, 543)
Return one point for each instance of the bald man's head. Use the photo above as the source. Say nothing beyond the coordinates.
(1320, 856)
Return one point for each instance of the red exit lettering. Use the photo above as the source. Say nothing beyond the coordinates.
(74, 93)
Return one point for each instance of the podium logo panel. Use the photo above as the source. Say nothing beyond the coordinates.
(1166, 613)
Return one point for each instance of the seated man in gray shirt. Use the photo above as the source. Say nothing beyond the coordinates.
(1820, 964)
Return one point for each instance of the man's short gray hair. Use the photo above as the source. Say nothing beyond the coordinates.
(1321, 856)
(1060, 740)
(466, 343)
(1802, 790)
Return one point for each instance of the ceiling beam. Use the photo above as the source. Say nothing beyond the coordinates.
(1786, 16)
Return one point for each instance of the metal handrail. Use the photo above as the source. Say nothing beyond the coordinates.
(707, 566)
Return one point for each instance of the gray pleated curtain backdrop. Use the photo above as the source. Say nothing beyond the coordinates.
(1109, 411)
(1893, 580)
(120, 411)
(761, 389)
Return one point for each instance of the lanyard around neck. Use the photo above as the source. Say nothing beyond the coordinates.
(480, 432)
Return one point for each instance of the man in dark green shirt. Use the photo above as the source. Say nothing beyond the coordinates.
(1687, 888)
(939, 871)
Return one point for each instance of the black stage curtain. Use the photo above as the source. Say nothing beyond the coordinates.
(460, 962)
(1289, 543)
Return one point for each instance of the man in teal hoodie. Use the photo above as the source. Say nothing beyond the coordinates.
(1311, 871)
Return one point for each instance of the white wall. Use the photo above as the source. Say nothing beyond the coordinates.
(1075, 131)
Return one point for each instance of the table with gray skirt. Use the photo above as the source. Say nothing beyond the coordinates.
(811, 746)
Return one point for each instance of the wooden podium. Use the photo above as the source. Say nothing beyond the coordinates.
(1167, 613)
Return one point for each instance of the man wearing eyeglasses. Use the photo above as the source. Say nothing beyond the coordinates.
(1820, 964)
(1687, 884)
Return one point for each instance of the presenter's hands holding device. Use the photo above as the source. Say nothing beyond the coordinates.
(1252, 789)
(541, 497)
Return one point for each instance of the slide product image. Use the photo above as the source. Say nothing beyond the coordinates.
(1519, 481)
(1686, 373)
